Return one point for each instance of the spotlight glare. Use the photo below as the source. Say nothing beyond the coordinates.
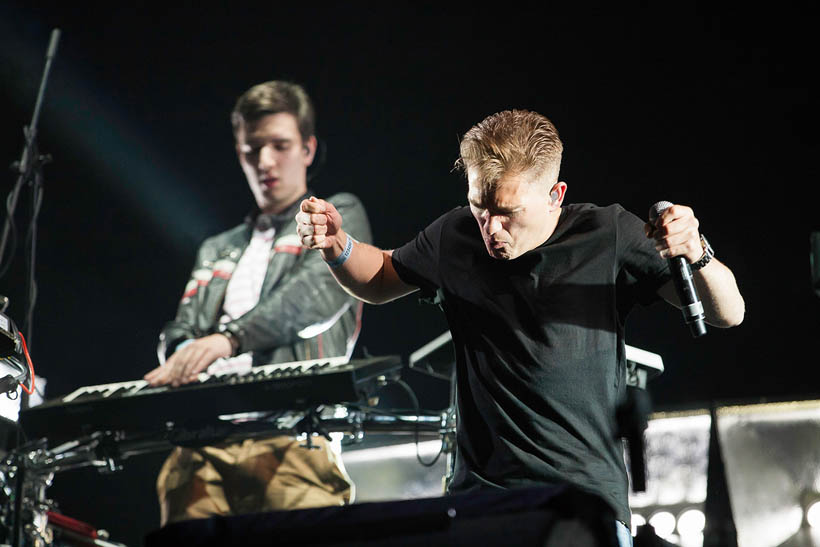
(691, 522)
(664, 523)
(813, 515)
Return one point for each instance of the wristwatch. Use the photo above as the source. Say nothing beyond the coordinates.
(232, 339)
(708, 253)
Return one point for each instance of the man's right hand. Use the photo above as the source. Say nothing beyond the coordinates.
(185, 365)
(319, 225)
(368, 274)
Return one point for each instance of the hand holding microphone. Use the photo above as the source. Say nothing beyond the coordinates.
(675, 230)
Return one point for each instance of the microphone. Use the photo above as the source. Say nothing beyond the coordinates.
(691, 306)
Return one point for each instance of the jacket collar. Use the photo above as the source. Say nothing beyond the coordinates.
(256, 218)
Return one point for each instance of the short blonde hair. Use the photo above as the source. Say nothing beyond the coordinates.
(511, 142)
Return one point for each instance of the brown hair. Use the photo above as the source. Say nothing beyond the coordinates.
(512, 141)
(272, 98)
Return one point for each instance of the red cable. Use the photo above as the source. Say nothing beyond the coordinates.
(30, 390)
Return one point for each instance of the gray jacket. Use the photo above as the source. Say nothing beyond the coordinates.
(302, 312)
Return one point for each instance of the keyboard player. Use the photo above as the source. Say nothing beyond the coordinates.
(249, 302)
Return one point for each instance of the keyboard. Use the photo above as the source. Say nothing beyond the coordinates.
(135, 406)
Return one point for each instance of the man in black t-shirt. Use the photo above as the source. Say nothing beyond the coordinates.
(536, 295)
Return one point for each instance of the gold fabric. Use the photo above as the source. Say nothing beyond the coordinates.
(255, 475)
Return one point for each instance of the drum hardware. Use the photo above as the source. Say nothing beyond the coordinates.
(30, 469)
(25, 507)
(102, 426)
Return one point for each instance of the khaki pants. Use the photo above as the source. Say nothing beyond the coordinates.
(251, 476)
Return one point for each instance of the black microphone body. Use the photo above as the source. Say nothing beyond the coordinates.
(691, 306)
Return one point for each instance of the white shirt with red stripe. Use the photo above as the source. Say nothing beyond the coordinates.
(245, 285)
(243, 291)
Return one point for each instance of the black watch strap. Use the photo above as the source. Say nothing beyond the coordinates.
(232, 339)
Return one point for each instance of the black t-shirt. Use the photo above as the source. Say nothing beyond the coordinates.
(539, 345)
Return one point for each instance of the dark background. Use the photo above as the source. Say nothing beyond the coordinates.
(710, 109)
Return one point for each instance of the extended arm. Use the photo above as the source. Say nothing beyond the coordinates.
(283, 315)
(365, 271)
(676, 234)
(306, 297)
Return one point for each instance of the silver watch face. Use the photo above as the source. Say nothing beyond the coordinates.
(708, 253)
(706, 247)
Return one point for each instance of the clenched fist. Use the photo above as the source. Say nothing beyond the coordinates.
(318, 223)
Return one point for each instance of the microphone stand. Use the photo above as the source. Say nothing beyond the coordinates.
(29, 171)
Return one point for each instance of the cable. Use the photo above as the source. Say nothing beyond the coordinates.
(12, 231)
(30, 366)
(415, 401)
(31, 250)
(397, 413)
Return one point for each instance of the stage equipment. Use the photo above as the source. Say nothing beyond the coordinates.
(25, 507)
(543, 517)
(136, 406)
(771, 454)
(386, 468)
(743, 474)
(102, 426)
(641, 366)
(67, 531)
(13, 367)
(677, 456)
(632, 415)
(435, 358)
(29, 169)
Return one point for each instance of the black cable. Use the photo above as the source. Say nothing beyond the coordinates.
(397, 413)
(12, 238)
(415, 401)
(31, 250)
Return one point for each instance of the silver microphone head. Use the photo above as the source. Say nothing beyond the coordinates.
(656, 210)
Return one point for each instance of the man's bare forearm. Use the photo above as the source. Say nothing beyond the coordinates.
(722, 302)
(723, 305)
(367, 273)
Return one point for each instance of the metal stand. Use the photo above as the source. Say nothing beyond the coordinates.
(29, 491)
(29, 169)
(449, 438)
(436, 359)
(632, 415)
(30, 469)
(26, 510)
